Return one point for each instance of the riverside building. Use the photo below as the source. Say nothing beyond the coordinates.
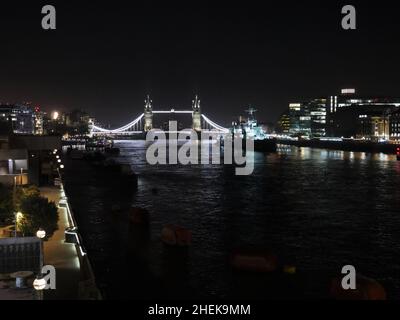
(352, 116)
(21, 117)
(307, 119)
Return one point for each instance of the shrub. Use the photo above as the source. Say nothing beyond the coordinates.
(37, 212)
(6, 205)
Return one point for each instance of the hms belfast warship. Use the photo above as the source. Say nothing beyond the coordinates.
(249, 129)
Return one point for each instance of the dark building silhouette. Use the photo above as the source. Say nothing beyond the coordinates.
(21, 118)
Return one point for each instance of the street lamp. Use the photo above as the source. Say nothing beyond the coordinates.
(40, 283)
(41, 234)
(14, 205)
(18, 217)
(21, 176)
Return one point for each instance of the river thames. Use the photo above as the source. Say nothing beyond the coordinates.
(318, 210)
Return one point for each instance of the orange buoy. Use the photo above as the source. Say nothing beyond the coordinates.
(176, 236)
(366, 289)
(252, 261)
(139, 216)
(168, 235)
(183, 236)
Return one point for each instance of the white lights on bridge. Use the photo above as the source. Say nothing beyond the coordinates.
(96, 129)
(127, 129)
(173, 111)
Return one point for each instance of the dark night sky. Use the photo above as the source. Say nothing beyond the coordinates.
(106, 57)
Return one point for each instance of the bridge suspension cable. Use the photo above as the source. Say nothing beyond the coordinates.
(214, 125)
(124, 129)
(119, 130)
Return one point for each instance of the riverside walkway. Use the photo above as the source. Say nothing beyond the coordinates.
(63, 256)
(74, 277)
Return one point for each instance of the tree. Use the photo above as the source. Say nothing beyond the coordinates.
(6, 205)
(37, 212)
(26, 192)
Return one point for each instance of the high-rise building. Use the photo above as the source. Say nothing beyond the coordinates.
(346, 115)
(39, 118)
(300, 120)
(366, 118)
(317, 111)
(21, 118)
(295, 112)
(284, 123)
(305, 119)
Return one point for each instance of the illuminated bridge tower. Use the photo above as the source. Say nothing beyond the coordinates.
(196, 114)
(148, 115)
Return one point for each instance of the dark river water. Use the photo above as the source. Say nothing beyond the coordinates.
(318, 210)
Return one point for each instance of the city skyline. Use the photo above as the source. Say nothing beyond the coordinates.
(110, 57)
(49, 111)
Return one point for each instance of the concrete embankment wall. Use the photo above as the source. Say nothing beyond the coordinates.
(87, 286)
(355, 146)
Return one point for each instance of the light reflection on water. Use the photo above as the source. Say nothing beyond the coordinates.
(317, 208)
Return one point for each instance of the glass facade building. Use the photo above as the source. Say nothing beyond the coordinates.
(308, 119)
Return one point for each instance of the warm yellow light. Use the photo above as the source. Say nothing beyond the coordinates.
(55, 115)
(20, 216)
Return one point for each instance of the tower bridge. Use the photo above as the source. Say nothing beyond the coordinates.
(144, 122)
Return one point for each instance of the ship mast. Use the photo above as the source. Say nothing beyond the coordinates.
(252, 119)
